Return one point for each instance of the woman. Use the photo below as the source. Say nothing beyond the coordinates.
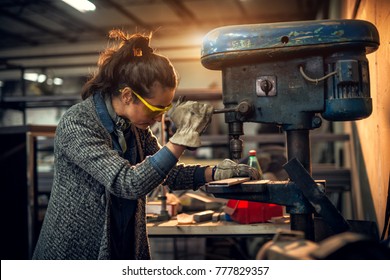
(107, 159)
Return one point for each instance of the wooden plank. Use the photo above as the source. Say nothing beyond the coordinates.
(230, 181)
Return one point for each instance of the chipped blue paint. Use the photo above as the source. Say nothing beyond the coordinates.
(318, 30)
(338, 33)
(224, 42)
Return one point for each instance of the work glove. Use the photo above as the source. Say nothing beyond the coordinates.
(229, 169)
(191, 119)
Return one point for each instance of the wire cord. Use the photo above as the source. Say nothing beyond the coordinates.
(316, 80)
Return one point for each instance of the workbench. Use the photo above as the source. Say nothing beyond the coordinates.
(208, 240)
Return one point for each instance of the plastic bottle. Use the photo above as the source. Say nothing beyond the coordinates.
(253, 162)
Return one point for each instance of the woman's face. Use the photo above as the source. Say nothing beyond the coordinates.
(146, 112)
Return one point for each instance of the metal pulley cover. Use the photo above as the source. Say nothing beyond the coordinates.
(240, 44)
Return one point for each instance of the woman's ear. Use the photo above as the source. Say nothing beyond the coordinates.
(126, 95)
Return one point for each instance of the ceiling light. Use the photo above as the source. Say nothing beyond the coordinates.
(58, 81)
(81, 5)
(34, 77)
(41, 78)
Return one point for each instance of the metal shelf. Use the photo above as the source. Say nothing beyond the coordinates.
(23, 102)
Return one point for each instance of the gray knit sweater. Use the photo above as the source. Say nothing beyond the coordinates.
(87, 170)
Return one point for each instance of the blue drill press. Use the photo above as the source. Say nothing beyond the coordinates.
(287, 74)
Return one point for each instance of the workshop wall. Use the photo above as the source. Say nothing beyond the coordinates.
(373, 151)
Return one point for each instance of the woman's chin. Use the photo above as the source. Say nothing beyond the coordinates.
(143, 126)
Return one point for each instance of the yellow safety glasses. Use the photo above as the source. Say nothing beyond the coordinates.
(154, 110)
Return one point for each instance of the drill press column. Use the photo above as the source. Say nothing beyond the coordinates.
(298, 146)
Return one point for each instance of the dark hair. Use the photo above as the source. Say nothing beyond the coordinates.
(130, 61)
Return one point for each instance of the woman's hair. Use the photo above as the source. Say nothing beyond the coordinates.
(130, 61)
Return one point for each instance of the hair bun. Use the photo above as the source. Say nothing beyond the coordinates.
(141, 46)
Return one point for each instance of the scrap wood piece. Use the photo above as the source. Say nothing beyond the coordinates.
(185, 219)
(230, 181)
(203, 216)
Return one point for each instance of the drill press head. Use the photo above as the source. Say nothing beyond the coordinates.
(290, 72)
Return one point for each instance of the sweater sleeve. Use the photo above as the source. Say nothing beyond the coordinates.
(181, 176)
(164, 161)
(84, 142)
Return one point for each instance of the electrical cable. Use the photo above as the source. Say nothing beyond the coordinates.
(316, 80)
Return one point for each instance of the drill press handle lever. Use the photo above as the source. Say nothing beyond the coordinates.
(225, 110)
(245, 108)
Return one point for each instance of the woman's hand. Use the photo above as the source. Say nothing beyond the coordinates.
(191, 119)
